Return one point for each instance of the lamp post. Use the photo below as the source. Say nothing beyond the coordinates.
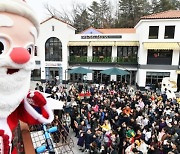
(66, 70)
(65, 77)
(84, 80)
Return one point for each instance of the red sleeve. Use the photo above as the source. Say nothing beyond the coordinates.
(26, 117)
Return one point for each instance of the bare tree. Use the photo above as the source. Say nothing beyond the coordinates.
(60, 14)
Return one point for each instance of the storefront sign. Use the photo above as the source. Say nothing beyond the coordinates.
(101, 36)
(51, 64)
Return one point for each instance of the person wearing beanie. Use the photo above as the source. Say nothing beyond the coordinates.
(19, 29)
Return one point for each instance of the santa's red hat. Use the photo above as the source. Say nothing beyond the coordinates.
(21, 8)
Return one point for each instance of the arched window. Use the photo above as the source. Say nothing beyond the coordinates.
(53, 49)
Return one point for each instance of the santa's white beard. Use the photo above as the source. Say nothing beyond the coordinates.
(13, 89)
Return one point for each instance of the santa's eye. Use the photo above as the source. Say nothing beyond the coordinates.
(2, 45)
(30, 49)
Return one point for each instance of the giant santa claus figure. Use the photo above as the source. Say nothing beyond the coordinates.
(19, 29)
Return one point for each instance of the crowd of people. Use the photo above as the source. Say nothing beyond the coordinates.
(115, 119)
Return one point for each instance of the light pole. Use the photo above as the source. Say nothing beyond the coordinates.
(84, 80)
(65, 77)
(66, 70)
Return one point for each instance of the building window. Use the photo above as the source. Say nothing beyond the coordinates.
(153, 32)
(35, 51)
(78, 50)
(169, 32)
(159, 57)
(102, 51)
(154, 79)
(127, 53)
(53, 49)
(36, 75)
(38, 62)
(76, 77)
(53, 28)
(78, 53)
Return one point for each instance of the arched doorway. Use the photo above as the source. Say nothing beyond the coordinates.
(53, 54)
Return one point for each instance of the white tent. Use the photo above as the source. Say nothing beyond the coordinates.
(55, 104)
(52, 103)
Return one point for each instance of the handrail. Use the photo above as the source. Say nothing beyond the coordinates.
(61, 144)
(26, 137)
(29, 143)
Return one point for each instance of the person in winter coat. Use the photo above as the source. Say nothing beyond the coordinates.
(67, 119)
(81, 140)
(88, 140)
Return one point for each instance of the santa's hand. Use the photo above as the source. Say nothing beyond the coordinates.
(36, 98)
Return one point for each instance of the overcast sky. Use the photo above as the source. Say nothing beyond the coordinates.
(38, 5)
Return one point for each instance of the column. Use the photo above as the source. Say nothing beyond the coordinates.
(60, 74)
(141, 78)
(89, 54)
(113, 77)
(89, 76)
(114, 53)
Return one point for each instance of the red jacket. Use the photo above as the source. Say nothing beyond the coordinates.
(28, 113)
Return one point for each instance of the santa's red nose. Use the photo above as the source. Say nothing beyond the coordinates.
(20, 55)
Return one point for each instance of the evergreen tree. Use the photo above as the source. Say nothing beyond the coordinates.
(117, 16)
(106, 14)
(176, 4)
(155, 6)
(131, 11)
(141, 8)
(95, 16)
(166, 5)
(126, 13)
(81, 21)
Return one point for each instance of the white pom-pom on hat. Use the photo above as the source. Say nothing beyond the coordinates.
(31, 94)
(21, 8)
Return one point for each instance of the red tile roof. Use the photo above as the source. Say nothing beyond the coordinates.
(170, 14)
(87, 30)
(116, 30)
(112, 30)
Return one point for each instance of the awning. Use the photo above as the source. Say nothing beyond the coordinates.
(178, 71)
(162, 45)
(127, 43)
(102, 43)
(78, 43)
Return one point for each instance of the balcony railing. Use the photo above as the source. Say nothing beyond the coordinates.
(102, 59)
(80, 59)
(129, 60)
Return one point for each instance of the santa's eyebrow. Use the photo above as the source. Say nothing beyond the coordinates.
(33, 32)
(6, 21)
